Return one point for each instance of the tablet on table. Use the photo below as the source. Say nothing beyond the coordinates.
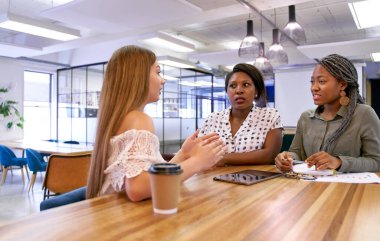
(247, 177)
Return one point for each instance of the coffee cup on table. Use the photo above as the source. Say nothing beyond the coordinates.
(165, 179)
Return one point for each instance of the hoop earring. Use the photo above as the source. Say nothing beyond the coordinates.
(343, 100)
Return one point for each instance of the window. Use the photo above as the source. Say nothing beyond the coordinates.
(37, 93)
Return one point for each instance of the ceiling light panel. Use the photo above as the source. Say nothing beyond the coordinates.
(166, 41)
(175, 62)
(365, 13)
(375, 57)
(33, 27)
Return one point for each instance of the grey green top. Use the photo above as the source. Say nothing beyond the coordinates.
(358, 147)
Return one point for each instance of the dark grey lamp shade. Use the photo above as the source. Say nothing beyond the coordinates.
(262, 63)
(249, 47)
(276, 53)
(293, 29)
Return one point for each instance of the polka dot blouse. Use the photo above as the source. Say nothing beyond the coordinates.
(251, 134)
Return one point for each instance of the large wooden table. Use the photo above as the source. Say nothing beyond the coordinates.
(277, 209)
(46, 146)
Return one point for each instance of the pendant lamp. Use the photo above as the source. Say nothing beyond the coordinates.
(276, 53)
(262, 63)
(249, 47)
(293, 29)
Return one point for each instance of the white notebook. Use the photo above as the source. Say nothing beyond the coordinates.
(304, 169)
(334, 176)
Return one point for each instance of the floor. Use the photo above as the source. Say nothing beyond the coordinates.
(15, 201)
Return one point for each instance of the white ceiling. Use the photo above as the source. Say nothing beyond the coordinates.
(211, 25)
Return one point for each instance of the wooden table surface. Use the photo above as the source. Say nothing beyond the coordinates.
(47, 147)
(277, 209)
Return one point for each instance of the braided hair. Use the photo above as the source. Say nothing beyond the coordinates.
(343, 70)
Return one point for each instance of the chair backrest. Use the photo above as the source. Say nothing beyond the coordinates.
(6, 156)
(66, 172)
(287, 140)
(35, 160)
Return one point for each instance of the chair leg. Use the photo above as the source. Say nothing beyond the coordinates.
(27, 172)
(10, 168)
(45, 193)
(22, 175)
(4, 176)
(31, 184)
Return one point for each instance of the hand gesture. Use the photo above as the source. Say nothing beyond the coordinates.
(208, 152)
(284, 161)
(322, 160)
(193, 140)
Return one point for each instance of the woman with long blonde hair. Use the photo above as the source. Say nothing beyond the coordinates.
(125, 144)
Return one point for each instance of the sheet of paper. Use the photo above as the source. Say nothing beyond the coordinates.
(363, 177)
(302, 168)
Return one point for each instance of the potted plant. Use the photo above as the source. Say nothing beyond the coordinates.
(8, 109)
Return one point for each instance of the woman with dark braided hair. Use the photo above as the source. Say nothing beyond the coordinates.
(342, 133)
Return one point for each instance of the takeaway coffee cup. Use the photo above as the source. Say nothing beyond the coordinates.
(165, 179)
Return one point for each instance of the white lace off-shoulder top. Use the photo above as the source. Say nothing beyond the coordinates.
(132, 152)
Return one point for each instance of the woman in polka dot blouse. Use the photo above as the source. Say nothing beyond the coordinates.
(253, 135)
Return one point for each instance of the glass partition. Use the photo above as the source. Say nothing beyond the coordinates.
(188, 97)
(78, 101)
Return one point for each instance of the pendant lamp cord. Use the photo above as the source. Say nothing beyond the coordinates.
(261, 29)
(275, 19)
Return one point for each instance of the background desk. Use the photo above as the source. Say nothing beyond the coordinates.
(278, 209)
(47, 147)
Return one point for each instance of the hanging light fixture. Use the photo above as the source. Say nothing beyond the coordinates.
(293, 29)
(249, 47)
(276, 53)
(262, 63)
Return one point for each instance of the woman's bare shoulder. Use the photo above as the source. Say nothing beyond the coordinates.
(137, 120)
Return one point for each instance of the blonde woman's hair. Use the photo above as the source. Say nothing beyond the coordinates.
(125, 88)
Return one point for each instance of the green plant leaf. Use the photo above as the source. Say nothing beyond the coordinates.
(8, 108)
(9, 125)
(11, 102)
(5, 110)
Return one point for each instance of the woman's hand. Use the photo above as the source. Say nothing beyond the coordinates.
(208, 152)
(193, 140)
(322, 160)
(284, 161)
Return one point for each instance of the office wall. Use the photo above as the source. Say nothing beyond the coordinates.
(292, 92)
(12, 77)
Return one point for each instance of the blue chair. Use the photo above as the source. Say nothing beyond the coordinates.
(36, 164)
(8, 160)
(76, 195)
(52, 140)
(71, 142)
